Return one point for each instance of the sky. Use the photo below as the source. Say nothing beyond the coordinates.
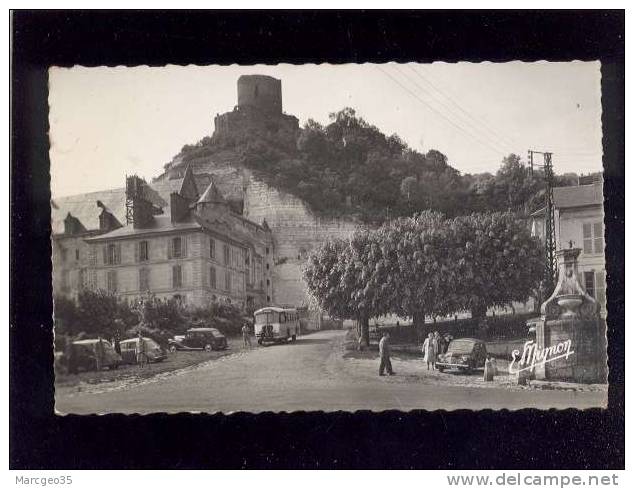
(109, 122)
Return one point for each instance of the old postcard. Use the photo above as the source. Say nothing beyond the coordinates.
(323, 238)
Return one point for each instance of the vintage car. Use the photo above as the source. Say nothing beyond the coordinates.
(91, 355)
(199, 339)
(465, 354)
(130, 348)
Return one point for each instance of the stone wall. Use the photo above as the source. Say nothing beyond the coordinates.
(296, 231)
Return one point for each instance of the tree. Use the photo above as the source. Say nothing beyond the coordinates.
(492, 260)
(411, 262)
(338, 275)
(99, 312)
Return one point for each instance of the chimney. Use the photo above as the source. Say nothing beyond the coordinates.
(179, 207)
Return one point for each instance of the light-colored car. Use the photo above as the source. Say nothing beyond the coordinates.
(152, 350)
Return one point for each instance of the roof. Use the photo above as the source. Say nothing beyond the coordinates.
(84, 207)
(212, 195)
(578, 196)
(214, 330)
(160, 224)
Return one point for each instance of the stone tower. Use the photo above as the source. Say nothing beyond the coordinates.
(260, 92)
(258, 113)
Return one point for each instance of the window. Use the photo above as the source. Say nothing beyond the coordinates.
(112, 254)
(77, 254)
(112, 281)
(225, 252)
(593, 237)
(227, 280)
(212, 248)
(588, 282)
(144, 279)
(267, 250)
(177, 247)
(177, 277)
(267, 266)
(63, 253)
(594, 284)
(143, 251)
(212, 277)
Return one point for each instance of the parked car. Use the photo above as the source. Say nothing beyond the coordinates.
(130, 349)
(465, 354)
(83, 354)
(199, 339)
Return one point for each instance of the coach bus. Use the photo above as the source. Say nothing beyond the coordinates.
(276, 324)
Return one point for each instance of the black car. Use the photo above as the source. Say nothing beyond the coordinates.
(199, 339)
(465, 354)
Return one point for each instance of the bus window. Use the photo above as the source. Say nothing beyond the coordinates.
(282, 317)
(261, 318)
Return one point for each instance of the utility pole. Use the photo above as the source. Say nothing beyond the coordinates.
(549, 179)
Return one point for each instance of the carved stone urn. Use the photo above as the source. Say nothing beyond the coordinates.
(569, 299)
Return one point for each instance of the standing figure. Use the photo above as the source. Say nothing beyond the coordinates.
(141, 357)
(441, 346)
(99, 354)
(246, 339)
(384, 353)
(430, 348)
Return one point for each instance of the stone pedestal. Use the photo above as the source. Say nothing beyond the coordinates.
(587, 337)
(571, 317)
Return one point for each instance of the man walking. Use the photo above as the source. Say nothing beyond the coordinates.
(246, 339)
(384, 353)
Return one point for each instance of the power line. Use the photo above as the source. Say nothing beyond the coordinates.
(395, 80)
(508, 142)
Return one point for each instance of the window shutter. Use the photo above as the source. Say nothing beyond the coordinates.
(118, 254)
(184, 246)
(169, 248)
(173, 277)
(137, 251)
(105, 254)
(183, 281)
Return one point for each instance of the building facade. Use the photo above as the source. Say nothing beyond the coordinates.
(195, 249)
(579, 224)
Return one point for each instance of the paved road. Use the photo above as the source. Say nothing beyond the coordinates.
(308, 375)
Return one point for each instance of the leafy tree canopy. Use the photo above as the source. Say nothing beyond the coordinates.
(349, 167)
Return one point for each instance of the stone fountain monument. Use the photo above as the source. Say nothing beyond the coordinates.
(570, 317)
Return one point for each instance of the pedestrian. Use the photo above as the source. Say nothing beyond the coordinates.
(99, 354)
(430, 349)
(117, 342)
(440, 342)
(141, 357)
(246, 338)
(384, 354)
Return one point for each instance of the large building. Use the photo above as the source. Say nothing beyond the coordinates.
(194, 247)
(579, 223)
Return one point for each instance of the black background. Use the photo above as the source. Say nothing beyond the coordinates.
(528, 439)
